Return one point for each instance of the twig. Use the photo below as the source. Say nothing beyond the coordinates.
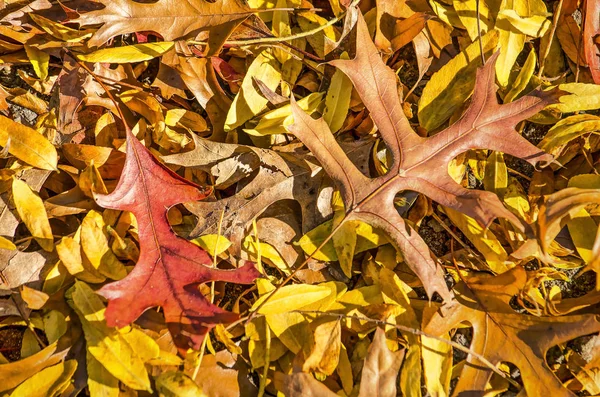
(415, 331)
(302, 266)
(551, 37)
(277, 39)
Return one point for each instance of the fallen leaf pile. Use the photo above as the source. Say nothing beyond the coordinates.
(292, 198)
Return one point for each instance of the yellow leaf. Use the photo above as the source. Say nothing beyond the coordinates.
(337, 101)
(582, 97)
(324, 356)
(69, 252)
(510, 40)
(17, 372)
(177, 384)
(496, 174)
(55, 325)
(35, 299)
(449, 87)
(466, 11)
(249, 102)
(224, 337)
(292, 297)
(522, 80)
(367, 238)
(59, 30)
(292, 329)
(50, 381)
(27, 144)
(94, 242)
(437, 365)
(275, 121)
(212, 243)
(128, 54)
(106, 344)
(100, 382)
(33, 214)
(6, 244)
(267, 251)
(483, 239)
(39, 60)
(535, 25)
(568, 129)
(185, 118)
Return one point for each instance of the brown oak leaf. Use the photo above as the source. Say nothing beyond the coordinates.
(419, 164)
(502, 335)
(170, 268)
(171, 19)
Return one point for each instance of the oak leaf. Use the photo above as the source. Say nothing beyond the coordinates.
(169, 18)
(271, 176)
(502, 335)
(169, 268)
(419, 164)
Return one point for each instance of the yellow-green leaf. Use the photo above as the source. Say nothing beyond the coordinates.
(6, 244)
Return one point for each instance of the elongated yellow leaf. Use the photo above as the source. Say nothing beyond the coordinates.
(337, 100)
(450, 86)
(568, 129)
(6, 244)
(275, 121)
(106, 344)
(535, 25)
(33, 214)
(128, 54)
(50, 381)
(177, 384)
(582, 97)
(39, 60)
(212, 243)
(100, 382)
(27, 144)
(523, 78)
(292, 297)
(367, 238)
(483, 239)
(94, 241)
(511, 40)
(249, 102)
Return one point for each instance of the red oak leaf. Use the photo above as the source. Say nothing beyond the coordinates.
(170, 268)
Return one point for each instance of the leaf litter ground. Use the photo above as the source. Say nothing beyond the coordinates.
(290, 336)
